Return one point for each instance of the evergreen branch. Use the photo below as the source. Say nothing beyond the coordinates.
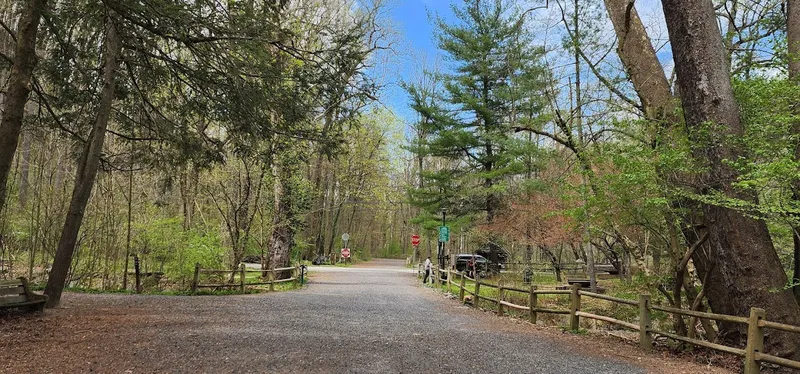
(556, 138)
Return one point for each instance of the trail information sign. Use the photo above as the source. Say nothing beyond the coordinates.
(444, 234)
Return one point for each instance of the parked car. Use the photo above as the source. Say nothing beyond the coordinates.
(321, 260)
(481, 263)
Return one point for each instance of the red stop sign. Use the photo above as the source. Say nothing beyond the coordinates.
(346, 252)
(415, 240)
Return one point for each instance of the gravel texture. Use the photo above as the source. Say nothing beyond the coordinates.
(375, 318)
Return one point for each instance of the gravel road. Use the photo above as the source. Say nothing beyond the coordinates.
(373, 319)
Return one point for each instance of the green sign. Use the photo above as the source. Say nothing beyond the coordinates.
(444, 234)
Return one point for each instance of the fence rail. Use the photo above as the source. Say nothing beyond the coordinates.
(242, 282)
(756, 322)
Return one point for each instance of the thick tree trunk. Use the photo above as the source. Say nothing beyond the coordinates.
(676, 256)
(281, 241)
(793, 36)
(639, 58)
(746, 267)
(640, 61)
(319, 179)
(19, 87)
(316, 218)
(88, 165)
(327, 203)
(334, 227)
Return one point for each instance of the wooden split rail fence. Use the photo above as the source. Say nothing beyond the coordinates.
(241, 274)
(756, 323)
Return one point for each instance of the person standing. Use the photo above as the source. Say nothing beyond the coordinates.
(428, 266)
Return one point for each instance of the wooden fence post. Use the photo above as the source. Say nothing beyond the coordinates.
(196, 278)
(755, 341)
(477, 298)
(500, 297)
(645, 339)
(461, 289)
(575, 307)
(533, 303)
(272, 280)
(241, 277)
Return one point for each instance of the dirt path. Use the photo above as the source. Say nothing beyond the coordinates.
(373, 318)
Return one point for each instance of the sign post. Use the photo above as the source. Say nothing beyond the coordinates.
(444, 237)
(415, 244)
(444, 234)
(345, 238)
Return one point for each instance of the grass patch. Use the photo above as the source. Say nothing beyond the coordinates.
(91, 290)
(220, 291)
(580, 331)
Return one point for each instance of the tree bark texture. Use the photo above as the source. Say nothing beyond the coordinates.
(793, 36)
(659, 104)
(88, 165)
(639, 58)
(282, 232)
(19, 87)
(315, 226)
(746, 270)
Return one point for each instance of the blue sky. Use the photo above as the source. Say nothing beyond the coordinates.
(414, 45)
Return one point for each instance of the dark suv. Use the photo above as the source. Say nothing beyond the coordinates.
(481, 263)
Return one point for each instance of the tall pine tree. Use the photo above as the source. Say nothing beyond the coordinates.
(469, 142)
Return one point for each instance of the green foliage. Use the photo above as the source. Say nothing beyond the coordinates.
(167, 248)
(770, 167)
(467, 125)
(394, 250)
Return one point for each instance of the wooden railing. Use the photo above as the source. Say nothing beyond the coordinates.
(756, 322)
(238, 277)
